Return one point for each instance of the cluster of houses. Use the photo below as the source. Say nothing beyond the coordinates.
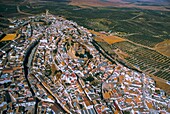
(15, 95)
(67, 74)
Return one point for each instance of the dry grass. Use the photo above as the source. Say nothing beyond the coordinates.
(163, 47)
(8, 37)
(109, 39)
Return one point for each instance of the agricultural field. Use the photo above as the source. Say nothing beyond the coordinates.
(110, 39)
(8, 10)
(149, 4)
(164, 47)
(147, 60)
(8, 37)
(146, 27)
(4, 23)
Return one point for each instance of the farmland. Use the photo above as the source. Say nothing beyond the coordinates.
(164, 47)
(149, 61)
(151, 5)
(8, 37)
(146, 27)
(110, 39)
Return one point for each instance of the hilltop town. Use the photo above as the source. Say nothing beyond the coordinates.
(55, 66)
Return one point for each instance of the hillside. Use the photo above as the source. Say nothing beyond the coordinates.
(142, 4)
(164, 47)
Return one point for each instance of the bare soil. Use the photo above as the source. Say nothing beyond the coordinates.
(163, 48)
(107, 38)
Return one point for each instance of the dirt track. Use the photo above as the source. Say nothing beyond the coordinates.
(21, 12)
